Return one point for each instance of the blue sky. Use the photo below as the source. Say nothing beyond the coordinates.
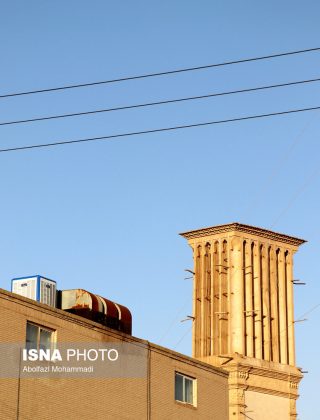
(105, 216)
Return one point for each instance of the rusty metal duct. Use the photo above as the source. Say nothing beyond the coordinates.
(96, 308)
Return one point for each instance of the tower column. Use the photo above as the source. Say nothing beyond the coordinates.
(291, 341)
(274, 300)
(196, 329)
(265, 303)
(224, 314)
(216, 297)
(213, 301)
(237, 296)
(283, 323)
(207, 299)
(201, 314)
(257, 300)
(249, 296)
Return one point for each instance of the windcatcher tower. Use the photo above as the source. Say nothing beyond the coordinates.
(243, 316)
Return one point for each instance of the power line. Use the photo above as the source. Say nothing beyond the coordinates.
(297, 193)
(158, 130)
(163, 73)
(309, 311)
(184, 335)
(174, 321)
(149, 104)
(300, 318)
(255, 201)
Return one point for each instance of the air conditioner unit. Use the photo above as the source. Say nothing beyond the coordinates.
(36, 287)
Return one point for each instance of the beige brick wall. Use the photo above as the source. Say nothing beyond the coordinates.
(212, 392)
(148, 397)
(274, 407)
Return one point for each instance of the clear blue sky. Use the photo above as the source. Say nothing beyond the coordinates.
(105, 216)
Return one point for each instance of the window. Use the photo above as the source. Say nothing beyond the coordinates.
(185, 389)
(38, 337)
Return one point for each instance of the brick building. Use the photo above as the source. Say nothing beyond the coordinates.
(149, 395)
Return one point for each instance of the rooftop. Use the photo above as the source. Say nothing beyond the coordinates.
(239, 227)
(43, 309)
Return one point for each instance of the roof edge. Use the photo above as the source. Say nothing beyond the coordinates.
(121, 336)
(239, 227)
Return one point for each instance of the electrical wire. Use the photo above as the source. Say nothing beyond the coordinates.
(300, 318)
(184, 335)
(300, 190)
(276, 169)
(157, 74)
(149, 104)
(157, 130)
(174, 321)
(313, 308)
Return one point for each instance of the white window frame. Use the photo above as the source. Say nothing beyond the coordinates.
(41, 328)
(194, 389)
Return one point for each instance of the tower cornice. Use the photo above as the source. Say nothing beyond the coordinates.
(242, 228)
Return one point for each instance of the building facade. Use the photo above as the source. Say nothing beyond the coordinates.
(167, 385)
(243, 316)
